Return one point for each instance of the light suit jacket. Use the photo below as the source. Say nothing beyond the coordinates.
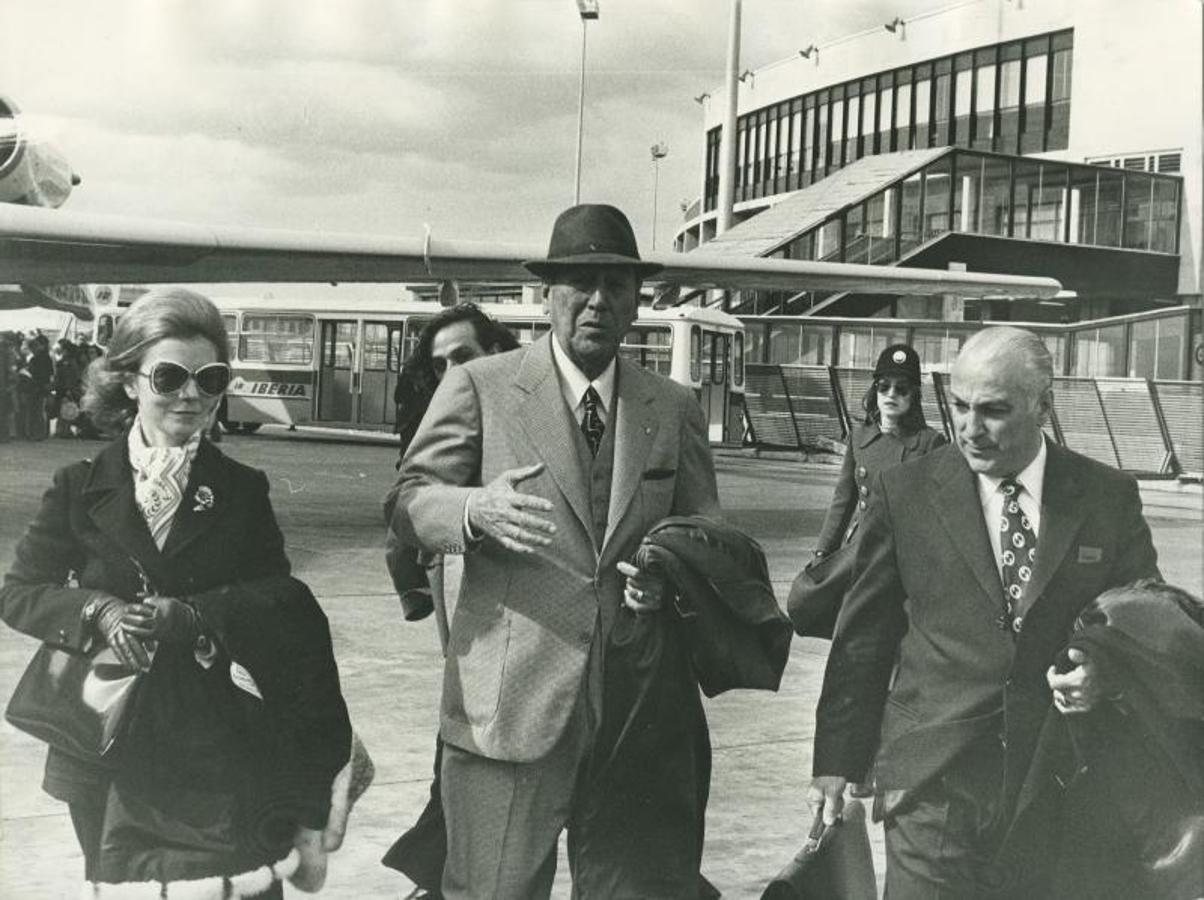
(523, 625)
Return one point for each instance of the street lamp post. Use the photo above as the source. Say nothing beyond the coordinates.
(659, 152)
(587, 9)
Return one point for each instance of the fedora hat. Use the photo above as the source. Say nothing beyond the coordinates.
(592, 234)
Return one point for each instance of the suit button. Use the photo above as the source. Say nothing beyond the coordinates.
(861, 471)
(63, 635)
(864, 491)
(863, 504)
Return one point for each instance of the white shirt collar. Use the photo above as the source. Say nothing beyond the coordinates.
(573, 383)
(1031, 478)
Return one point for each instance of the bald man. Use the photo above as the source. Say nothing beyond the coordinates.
(946, 658)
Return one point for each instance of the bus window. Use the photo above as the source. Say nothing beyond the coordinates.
(738, 370)
(695, 353)
(414, 328)
(276, 339)
(527, 332)
(649, 347)
(376, 346)
(717, 365)
(230, 321)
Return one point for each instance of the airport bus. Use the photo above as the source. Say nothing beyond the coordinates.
(317, 362)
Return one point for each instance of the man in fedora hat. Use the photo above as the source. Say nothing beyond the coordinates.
(545, 466)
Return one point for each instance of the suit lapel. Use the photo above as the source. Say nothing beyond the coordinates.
(960, 511)
(191, 522)
(636, 426)
(546, 421)
(109, 500)
(1061, 517)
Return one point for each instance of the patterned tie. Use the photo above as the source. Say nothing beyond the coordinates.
(1018, 552)
(591, 422)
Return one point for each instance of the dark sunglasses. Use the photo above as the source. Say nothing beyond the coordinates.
(902, 388)
(167, 377)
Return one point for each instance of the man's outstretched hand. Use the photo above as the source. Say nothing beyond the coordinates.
(509, 516)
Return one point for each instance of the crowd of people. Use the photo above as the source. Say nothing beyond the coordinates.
(1008, 677)
(41, 386)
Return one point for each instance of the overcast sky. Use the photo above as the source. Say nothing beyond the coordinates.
(381, 116)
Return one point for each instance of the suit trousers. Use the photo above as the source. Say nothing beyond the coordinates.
(944, 843)
(504, 818)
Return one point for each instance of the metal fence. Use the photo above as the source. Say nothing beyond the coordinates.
(1147, 427)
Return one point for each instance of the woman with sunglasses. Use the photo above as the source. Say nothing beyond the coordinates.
(893, 432)
(168, 553)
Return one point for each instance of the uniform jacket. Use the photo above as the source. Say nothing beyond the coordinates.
(523, 624)
(870, 452)
(928, 593)
(90, 527)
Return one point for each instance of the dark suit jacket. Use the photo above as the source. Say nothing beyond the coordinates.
(928, 593)
(870, 452)
(89, 525)
(523, 624)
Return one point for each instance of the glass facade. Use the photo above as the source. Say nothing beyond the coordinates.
(1001, 196)
(1148, 345)
(1007, 98)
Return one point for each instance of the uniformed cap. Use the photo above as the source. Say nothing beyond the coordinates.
(899, 360)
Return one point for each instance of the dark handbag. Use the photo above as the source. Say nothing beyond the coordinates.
(818, 591)
(76, 702)
(835, 863)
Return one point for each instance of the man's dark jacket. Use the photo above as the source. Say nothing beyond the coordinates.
(928, 594)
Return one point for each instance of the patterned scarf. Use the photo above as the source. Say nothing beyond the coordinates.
(160, 477)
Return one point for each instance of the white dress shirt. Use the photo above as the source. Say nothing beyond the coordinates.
(574, 384)
(1032, 485)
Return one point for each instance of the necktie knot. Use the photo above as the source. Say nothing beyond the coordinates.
(592, 426)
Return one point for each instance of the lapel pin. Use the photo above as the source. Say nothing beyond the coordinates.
(203, 498)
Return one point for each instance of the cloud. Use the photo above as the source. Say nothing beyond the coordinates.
(380, 115)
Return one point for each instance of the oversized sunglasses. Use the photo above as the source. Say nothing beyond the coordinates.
(167, 377)
(902, 387)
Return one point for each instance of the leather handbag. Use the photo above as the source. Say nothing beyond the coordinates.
(818, 591)
(835, 863)
(77, 702)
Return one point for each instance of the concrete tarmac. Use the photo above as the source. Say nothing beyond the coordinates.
(327, 499)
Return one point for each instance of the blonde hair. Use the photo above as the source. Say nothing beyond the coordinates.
(163, 313)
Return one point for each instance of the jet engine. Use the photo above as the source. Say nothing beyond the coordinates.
(34, 173)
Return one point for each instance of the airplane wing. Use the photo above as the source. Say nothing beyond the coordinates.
(46, 246)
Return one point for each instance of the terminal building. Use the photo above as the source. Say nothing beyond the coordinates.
(1039, 137)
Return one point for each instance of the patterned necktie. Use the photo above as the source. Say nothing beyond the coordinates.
(1018, 552)
(592, 426)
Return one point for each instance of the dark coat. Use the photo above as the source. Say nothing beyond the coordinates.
(738, 635)
(870, 452)
(89, 527)
(1133, 767)
(928, 593)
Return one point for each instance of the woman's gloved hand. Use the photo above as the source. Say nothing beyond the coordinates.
(160, 618)
(106, 614)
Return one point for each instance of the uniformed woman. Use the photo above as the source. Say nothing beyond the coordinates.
(894, 431)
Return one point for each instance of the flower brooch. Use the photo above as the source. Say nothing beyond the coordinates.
(203, 498)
